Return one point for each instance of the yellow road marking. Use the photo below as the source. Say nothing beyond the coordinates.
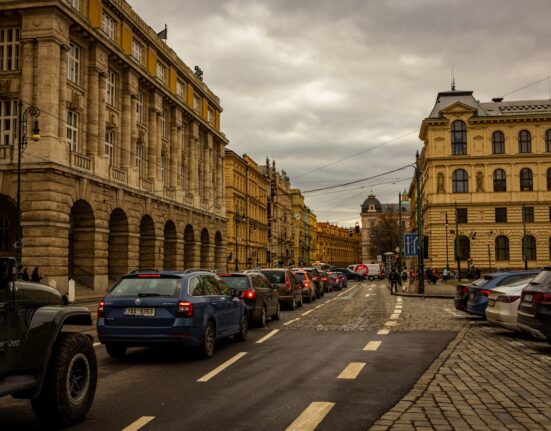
(372, 346)
(291, 321)
(383, 332)
(222, 367)
(134, 426)
(311, 417)
(268, 336)
(351, 371)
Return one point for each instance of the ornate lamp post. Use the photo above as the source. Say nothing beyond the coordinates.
(24, 114)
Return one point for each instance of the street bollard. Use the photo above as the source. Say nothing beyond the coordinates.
(72, 290)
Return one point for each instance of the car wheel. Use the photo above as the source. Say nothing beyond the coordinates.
(206, 349)
(115, 350)
(277, 314)
(243, 329)
(70, 382)
(263, 318)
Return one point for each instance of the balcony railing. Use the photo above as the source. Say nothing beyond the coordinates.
(118, 175)
(81, 162)
(146, 184)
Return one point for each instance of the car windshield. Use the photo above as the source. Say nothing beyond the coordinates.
(543, 277)
(300, 276)
(143, 287)
(275, 276)
(236, 282)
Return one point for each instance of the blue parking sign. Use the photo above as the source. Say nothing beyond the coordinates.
(410, 245)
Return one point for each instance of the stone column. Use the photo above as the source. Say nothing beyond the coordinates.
(102, 113)
(93, 112)
(47, 88)
(210, 184)
(193, 164)
(173, 153)
(27, 59)
(62, 91)
(126, 127)
(159, 149)
(152, 144)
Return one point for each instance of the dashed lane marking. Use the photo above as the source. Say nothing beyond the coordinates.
(311, 417)
(372, 346)
(383, 332)
(141, 422)
(391, 323)
(352, 370)
(306, 313)
(291, 321)
(222, 367)
(395, 316)
(267, 336)
(319, 306)
(367, 295)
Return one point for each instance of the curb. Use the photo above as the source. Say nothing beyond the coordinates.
(423, 295)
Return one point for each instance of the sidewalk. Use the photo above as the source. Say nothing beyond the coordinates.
(438, 290)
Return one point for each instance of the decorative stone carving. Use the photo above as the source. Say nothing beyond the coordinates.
(479, 181)
(440, 188)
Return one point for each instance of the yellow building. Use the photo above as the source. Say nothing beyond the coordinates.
(304, 229)
(128, 172)
(339, 246)
(313, 233)
(484, 165)
(246, 208)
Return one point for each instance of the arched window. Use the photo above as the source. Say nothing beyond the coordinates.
(460, 181)
(502, 248)
(549, 180)
(524, 142)
(463, 246)
(530, 247)
(498, 142)
(4, 233)
(459, 137)
(548, 140)
(526, 180)
(500, 181)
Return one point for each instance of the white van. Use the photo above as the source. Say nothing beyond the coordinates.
(368, 270)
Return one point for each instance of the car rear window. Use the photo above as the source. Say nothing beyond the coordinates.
(236, 282)
(481, 281)
(300, 276)
(275, 276)
(543, 277)
(142, 287)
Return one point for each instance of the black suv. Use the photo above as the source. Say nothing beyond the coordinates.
(317, 277)
(534, 312)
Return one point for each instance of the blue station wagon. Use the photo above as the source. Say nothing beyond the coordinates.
(148, 308)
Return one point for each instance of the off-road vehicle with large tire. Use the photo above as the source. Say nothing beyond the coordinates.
(56, 370)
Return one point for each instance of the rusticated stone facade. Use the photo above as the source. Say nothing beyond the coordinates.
(128, 172)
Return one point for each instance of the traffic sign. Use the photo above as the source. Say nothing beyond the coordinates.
(410, 244)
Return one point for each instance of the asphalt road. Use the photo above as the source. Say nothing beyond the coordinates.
(289, 381)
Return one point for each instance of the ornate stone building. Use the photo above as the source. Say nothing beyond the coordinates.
(486, 166)
(247, 192)
(129, 169)
(305, 228)
(339, 246)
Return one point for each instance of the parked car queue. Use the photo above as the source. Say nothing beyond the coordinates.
(516, 300)
(197, 308)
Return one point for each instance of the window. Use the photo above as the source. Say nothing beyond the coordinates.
(526, 180)
(501, 215)
(460, 181)
(196, 103)
(165, 124)
(139, 159)
(5, 243)
(459, 138)
(548, 141)
(528, 214)
(73, 63)
(195, 286)
(502, 248)
(9, 49)
(161, 71)
(108, 25)
(110, 88)
(530, 247)
(500, 181)
(72, 130)
(181, 89)
(463, 245)
(8, 122)
(110, 145)
(524, 142)
(137, 51)
(461, 215)
(210, 116)
(498, 142)
(549, 180)
(74, 3)
(139, 108)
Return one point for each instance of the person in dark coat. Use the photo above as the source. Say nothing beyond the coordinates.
(25, 274)
(394, 278)
(35, 276)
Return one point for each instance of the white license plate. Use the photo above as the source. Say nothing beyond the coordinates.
(528, 297)
(491, 302)
(139, 312)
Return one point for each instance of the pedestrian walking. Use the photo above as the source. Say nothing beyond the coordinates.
(35, 276)
(394, 278)
(478, 273)
(445, 274)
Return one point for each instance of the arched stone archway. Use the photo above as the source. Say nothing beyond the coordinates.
(206, 258)
(82, 244)
(118, 245)
(170, 255)
(219, 258)
(189, 244)
(147, 243)
(8, 216)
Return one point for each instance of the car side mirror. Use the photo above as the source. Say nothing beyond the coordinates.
(8, 271)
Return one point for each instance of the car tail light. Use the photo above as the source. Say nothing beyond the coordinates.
(101, 307)
(542, 298)
(324, 279)
(306, 283)
(149, 275)
(287, 282)
(185, 309)
(484, 292)
(248, 294)
(507, 298)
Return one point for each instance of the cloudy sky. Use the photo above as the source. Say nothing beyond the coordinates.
(335, 90)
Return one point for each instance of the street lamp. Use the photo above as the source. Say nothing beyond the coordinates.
(21, 146)
(237, 218)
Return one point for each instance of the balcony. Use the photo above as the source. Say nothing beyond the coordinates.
(146, 184)
(118, 175)
(81, 162)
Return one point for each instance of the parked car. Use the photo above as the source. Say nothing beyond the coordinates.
(148, 308)
(334, 280)
(290, 292)
(324, 278)
(350, 275)
(259, 295)
(316, 277)
(534, 313)
(463, 290)
(344, 280)
(307, 285)
(478, 296)
(503, 304)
